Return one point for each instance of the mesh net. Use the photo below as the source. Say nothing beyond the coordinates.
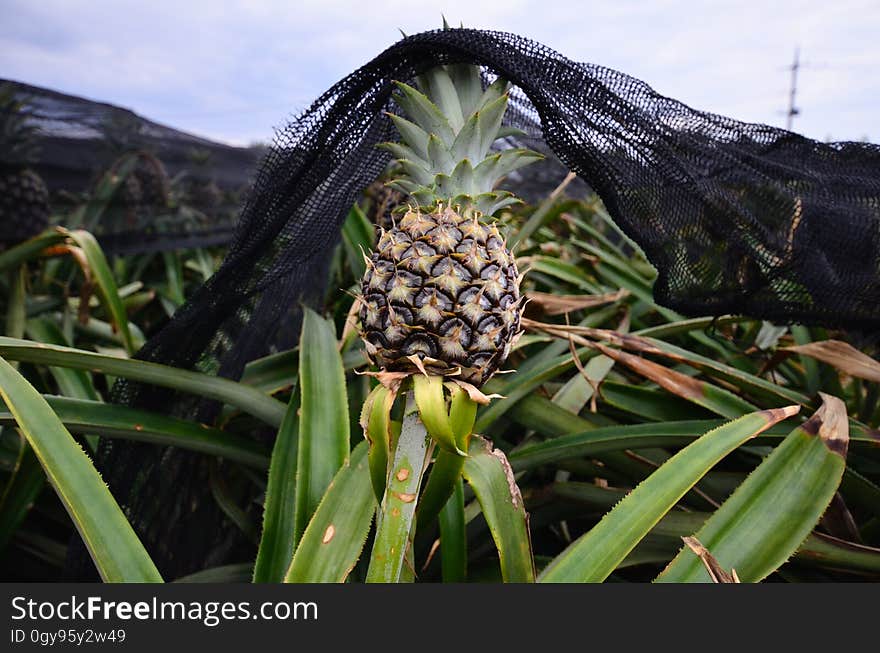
(737, 218)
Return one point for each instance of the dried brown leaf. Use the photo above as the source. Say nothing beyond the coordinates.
(475, 393)
(842, 356)
(553, 304)
(830, 423)
(351, 321)
(716, 571)
(675, 382)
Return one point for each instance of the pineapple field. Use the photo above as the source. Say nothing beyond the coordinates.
(473, 386)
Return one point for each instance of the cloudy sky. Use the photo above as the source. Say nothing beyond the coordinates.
(235, 74)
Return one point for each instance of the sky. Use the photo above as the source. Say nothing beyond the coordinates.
(235, 70)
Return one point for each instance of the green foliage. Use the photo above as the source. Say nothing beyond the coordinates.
(112, 543)
(624, 428)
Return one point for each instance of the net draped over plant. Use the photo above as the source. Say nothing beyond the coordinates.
(737, 218)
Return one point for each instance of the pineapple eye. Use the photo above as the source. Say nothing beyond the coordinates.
(472, 254)
(417, 249)
(372, 309)
(434, 297)
(432, 305)
(400, 314)
(456, 329)
(495, 282)
(419, 344)
(419, 258)
(507, 301)
(444, 238)
(417, 224)
(402, 286)
(455, 339)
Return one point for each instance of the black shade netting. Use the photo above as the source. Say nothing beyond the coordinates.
(78, 145)
(737, 218)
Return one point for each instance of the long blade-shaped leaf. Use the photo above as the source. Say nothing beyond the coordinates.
(358, 235)
(115, 548)
(26, 480)
(334, 538)
(394, 527)
(102, 277)
(323, 424)
(248, 399)
(30, 249)
(768, 517)
(593, 556)
(112, 421)
(21, 491)
(817, 549)
(277, 542)
(489, 474)
(71, 382)
(453, 540)
(273, 372)
(16, 312)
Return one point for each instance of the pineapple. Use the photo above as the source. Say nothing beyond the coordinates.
(24, 198)
(441, 290)
(130, 193)
(383, 201)
(146, 186)
(153, 180)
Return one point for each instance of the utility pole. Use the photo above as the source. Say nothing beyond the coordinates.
(792, 108)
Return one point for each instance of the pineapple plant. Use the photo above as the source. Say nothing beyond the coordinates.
(440, 304)
(201, 191)
(131, 193)
(146, 185)
(441, 290)
(24, 198)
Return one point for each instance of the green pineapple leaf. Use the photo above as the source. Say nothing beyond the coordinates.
(441, 160)
(467, 143)
(412, 135)
(466, 79)
(491, 169)
(489, 122)
(403, 152)
(437, 85)
(416, 172)
(424, 112)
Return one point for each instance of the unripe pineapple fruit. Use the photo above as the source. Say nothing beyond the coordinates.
(441, 286)
(24, 198)
(24, 205)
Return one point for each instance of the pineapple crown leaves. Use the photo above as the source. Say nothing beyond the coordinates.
(450, 126)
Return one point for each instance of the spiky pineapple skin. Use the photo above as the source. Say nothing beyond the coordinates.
(24, 205)
(443, 287)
